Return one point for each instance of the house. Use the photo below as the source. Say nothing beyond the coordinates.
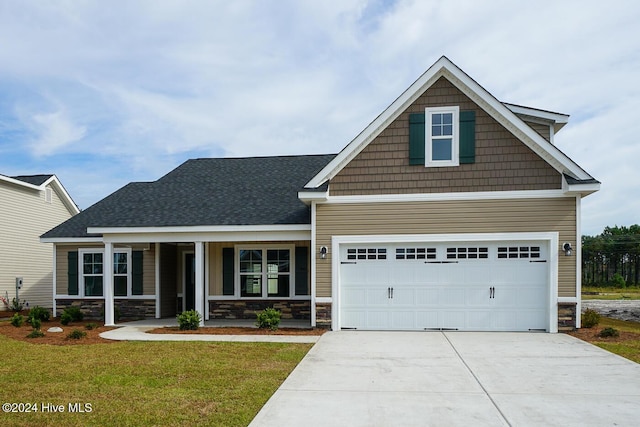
(29, 206)
(451, 210)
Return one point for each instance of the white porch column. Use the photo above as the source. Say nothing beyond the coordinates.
(199, 293)
(107, 285)
(157, 271)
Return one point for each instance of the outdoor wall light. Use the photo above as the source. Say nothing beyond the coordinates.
(323, 252)
(568, 250)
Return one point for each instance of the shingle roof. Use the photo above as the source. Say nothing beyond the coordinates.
(207, 192)
(32, 179)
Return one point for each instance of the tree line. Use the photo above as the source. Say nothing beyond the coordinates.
(612, 258)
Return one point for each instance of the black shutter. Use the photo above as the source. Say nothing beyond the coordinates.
(416, 139)
(302, 270)
(467, 137)
(227, 271)
(72, 273)
(136, 272)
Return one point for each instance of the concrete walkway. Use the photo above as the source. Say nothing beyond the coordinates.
(352, 378)
(138, 331)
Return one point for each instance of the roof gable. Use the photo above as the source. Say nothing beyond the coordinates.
(39, 183)
(499, 111)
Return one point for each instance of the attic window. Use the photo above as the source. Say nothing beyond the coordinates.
(48, 195)
(442, 136)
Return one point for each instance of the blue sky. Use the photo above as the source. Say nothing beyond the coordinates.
(105, 93)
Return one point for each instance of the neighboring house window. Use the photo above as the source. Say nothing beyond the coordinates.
(442, 136)
(265, 272)
(89, 264)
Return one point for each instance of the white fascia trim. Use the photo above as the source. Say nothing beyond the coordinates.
(551, 237)
(79, 240)
(66, 198)
(579, 189)
(496, 109)
(20, 183)
(200, 229)
(568, 300)
(312, 196)
(437, 197)
(558, 119)
(324, 300)
(190, 237)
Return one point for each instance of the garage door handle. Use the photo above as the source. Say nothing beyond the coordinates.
(390, 293)
(492, 292)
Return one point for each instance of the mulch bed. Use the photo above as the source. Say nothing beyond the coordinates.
(239, 331)
(591, 335)
(56, 338)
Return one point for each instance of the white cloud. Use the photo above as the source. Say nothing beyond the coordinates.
(54, 132)
(135, 89)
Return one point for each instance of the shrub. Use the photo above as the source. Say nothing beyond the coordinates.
(590, 318)
(65, 318)
(39, 313)
(609, 333)
(36, 333)
(74, 312)
(36, 324)
(76, 334)
(268, 318)
(71, 314)
(17, 320)
(189, 320)
(16, 305)
(90, 326)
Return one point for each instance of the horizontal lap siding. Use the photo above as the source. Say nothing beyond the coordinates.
(62, 268)
(502, 161)
(479, 216)
(24, 216)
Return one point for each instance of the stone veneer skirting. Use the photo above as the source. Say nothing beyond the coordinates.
(323, 315)
(125, 309)
(247, 309)
(567, 317)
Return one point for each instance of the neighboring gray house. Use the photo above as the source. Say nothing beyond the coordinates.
(29, 206)
(451, 210)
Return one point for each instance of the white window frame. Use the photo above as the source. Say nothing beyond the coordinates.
(264, 273)
(81, 275)
(455, 137)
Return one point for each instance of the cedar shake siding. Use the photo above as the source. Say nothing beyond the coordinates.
(449, 217)
(502, 162)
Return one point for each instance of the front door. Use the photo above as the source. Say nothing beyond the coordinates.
(189, 281)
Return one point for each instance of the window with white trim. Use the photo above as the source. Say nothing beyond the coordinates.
(91, 272)
(265, 272)
(442, 136)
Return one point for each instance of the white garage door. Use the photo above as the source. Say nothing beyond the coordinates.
(475, 286)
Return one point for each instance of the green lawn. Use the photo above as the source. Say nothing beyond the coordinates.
(628, 347)
(143, 383)
(610, 293)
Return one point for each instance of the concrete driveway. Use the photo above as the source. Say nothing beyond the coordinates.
(352, 378)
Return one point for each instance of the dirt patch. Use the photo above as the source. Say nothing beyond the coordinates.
(591, 335)
(56, 338)
(239, 331)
